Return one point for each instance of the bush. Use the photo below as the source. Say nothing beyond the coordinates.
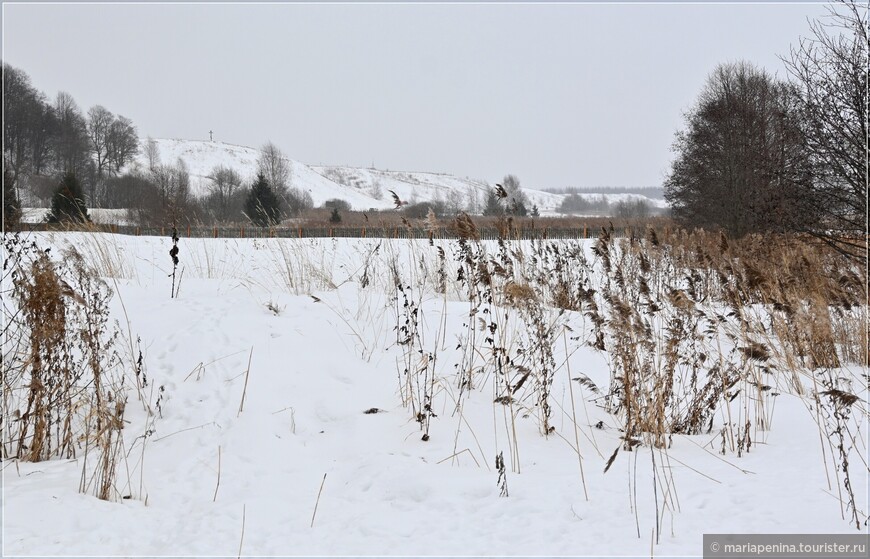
(632, 208)
(421, 209)
(296, 201)
(337, 203)
(577, 204)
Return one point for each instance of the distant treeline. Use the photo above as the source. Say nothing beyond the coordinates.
(655, 192)
(599, 205)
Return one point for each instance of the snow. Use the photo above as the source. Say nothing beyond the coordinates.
(201, 157)
(98, 215)
(355, 185)
(316, 366)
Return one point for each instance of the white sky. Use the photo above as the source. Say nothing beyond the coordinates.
(560, 95)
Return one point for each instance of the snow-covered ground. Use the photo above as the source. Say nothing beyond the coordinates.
(312, 323)
(98, 215)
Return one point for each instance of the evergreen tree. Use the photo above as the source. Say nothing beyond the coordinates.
(262, 205)
(11, 204)
(335, 217)
(493, 204)
(517, 207)
(68, 202)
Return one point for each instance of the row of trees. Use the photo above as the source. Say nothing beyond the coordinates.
(43, 138)
(161, 197)
(600, 205)
(762, 154)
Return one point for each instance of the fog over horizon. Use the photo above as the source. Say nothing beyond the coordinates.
(560, 95)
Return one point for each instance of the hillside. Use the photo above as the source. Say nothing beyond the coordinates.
(362, 188)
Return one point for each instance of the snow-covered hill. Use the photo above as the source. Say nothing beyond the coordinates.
(362, 188)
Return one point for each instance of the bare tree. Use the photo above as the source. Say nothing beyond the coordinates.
(128, 191)
(296, 201)
(472, 199)
(99, 123)
(516, 202)
(376, 191)
(274, 166)
(740, 161)
(43, 130)
(71, 143)
(122, 143)
(454, 202)
(152, 153)
(172, 184)
(831, 70)
(225, 183)
(23, 107)
(632, 208)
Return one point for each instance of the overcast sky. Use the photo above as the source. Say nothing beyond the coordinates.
(560, 95)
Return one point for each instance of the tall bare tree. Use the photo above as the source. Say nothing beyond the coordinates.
(121, 142)
(740, 162)
(44, 129)
(23, 110)
(100, 121)
(152, 153)
(172, 184)
(225, 183)
(274, 166)
(71, 143)
(831, 70)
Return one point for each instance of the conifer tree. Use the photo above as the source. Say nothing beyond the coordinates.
(68, 202)
(262, 206)
(11, 204)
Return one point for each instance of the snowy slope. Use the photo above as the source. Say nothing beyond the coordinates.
(415, 186)
(202, 157)
(362, 188)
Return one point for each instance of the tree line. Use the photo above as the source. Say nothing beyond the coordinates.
(55, 152)
(761, 154)
(44, 140)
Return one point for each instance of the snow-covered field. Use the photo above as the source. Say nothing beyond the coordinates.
(266, 364)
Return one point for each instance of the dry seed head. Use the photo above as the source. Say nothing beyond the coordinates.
(466, 228)
(431, 221)
(519, 293)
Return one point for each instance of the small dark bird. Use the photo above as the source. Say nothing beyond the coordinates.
(316, 300)
(500, 191)
(396, 200)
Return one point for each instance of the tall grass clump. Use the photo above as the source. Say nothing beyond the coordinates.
(64, 391)
(700, 326)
